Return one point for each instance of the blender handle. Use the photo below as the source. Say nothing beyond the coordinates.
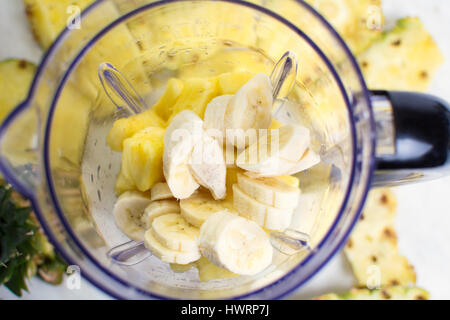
(413, 137)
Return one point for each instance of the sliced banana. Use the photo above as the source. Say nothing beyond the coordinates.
(266, 216)
(161, 191)
(215, 114)
(309, 159)
(173, 231)
(169, 255)
(250, 107)
(128, 211)
(158, 208)
(230, 155)
(183, 133)
(275, 152)
(234, 243)
(200, 206)
(270, 191)
(290, 180)
(208, 166)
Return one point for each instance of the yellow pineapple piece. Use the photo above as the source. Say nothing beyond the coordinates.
(184, 42)
(231, 82)
(127, 127)
(164, 106)
(359, 22)
(124, 183)
(15, 80)
(372, 248)
(229, 60)
(405, 58)
(118, 47)
(49, 17)
(196, 95)
(142, 164)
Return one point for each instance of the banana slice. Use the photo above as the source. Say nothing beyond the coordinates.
(309, 159)
(183, 133)
(215, 114)
(158, 208)
(169, 255)
(208, 166)
(161, 191)
(200, 206)
(230, 155)
(234, 243)
(250, 107)
(173, 231)
(290, 180)
(270, 191)
(128, 211)
(276, 152)
(266, 216)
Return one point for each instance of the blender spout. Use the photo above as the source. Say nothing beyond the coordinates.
(18, 149)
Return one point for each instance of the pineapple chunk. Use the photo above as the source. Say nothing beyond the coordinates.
(405, 58)
(196, 95)
(142, 163)
(359, 22)
(231, 82)
(226, 61)
(372, 248)
(183, 42)
(15, 80)
(388, 293)
(164, 106)
(127, 127)
(49, 17)
(118, 47)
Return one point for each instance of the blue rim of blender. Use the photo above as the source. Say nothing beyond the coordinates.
(337, 247)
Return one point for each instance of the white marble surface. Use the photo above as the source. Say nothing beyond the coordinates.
(423, 220)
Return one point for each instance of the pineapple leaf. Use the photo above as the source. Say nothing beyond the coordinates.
(24, 249)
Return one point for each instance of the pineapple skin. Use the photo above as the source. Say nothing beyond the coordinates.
(15, 80)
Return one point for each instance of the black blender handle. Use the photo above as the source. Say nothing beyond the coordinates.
(421, 139)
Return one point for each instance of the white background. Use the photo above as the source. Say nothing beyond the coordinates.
(423, 221)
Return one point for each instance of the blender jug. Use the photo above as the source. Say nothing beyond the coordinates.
(53, 146)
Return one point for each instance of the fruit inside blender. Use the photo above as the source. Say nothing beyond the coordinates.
(207, 173)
